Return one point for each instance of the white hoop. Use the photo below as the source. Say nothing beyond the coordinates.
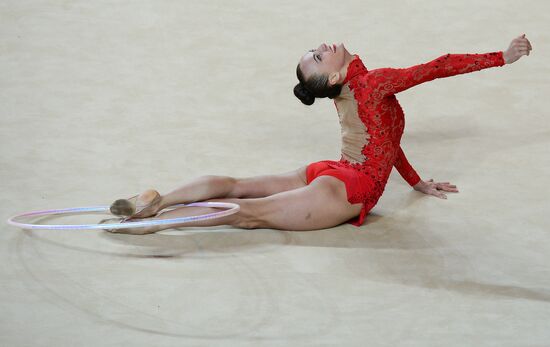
(231, 209)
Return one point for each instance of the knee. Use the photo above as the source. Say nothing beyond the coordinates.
(246, 221)
(248, 224)
(249, 216)
(217, 180)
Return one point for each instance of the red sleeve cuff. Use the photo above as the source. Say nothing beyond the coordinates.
(413, 180)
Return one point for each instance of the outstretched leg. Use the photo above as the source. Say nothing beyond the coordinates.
(322, 204)
(212, 186)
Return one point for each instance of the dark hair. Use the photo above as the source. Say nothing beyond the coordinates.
(315, 87)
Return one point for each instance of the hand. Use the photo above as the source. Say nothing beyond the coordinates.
(433, 188)
(519, 46)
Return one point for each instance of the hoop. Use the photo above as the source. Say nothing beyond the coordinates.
(231, 209)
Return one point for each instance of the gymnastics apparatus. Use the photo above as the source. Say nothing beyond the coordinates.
(230, 209)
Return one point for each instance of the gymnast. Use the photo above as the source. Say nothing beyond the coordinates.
(327, 193)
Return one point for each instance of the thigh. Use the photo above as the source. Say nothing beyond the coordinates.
(266, 185)
(321, 204)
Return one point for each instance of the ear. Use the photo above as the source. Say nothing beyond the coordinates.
(333, 78)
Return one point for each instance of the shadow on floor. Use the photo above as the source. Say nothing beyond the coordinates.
(394, 252)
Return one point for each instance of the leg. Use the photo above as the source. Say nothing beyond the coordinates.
(322, 204)
(189, 211)
(266, 185)
(211, 186)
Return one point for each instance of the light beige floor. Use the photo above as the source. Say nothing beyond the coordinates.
(100, 100)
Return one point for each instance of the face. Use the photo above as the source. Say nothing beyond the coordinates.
(326, 60)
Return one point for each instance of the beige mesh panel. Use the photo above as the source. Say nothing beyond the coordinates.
(354, 132)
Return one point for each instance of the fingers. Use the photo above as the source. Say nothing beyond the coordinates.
(521, 39)
(438, 194)
(447, 184)
(525, 44)
(522, 42)
(448, 189)
(437, 188)
(523, 48)
(444, 186)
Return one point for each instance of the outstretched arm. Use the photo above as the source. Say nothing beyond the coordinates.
(391, 80)
(430, 187)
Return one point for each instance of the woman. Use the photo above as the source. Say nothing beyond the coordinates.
(326, 193)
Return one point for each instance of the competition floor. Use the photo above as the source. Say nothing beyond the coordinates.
(101, 100)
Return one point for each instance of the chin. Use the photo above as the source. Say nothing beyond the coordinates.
(345, 50)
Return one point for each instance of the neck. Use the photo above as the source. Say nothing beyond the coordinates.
(347, 59)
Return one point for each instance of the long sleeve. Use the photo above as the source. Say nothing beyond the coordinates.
(391, 80)
(405, 169)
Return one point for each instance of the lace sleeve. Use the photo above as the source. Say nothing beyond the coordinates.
(405, 169)
(390, 80)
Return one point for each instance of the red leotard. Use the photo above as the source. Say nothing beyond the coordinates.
(372, 124)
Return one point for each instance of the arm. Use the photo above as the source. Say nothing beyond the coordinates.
(430, 187)
(405, 169)
(390, 80)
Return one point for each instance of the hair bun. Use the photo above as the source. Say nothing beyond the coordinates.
(302, 93)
